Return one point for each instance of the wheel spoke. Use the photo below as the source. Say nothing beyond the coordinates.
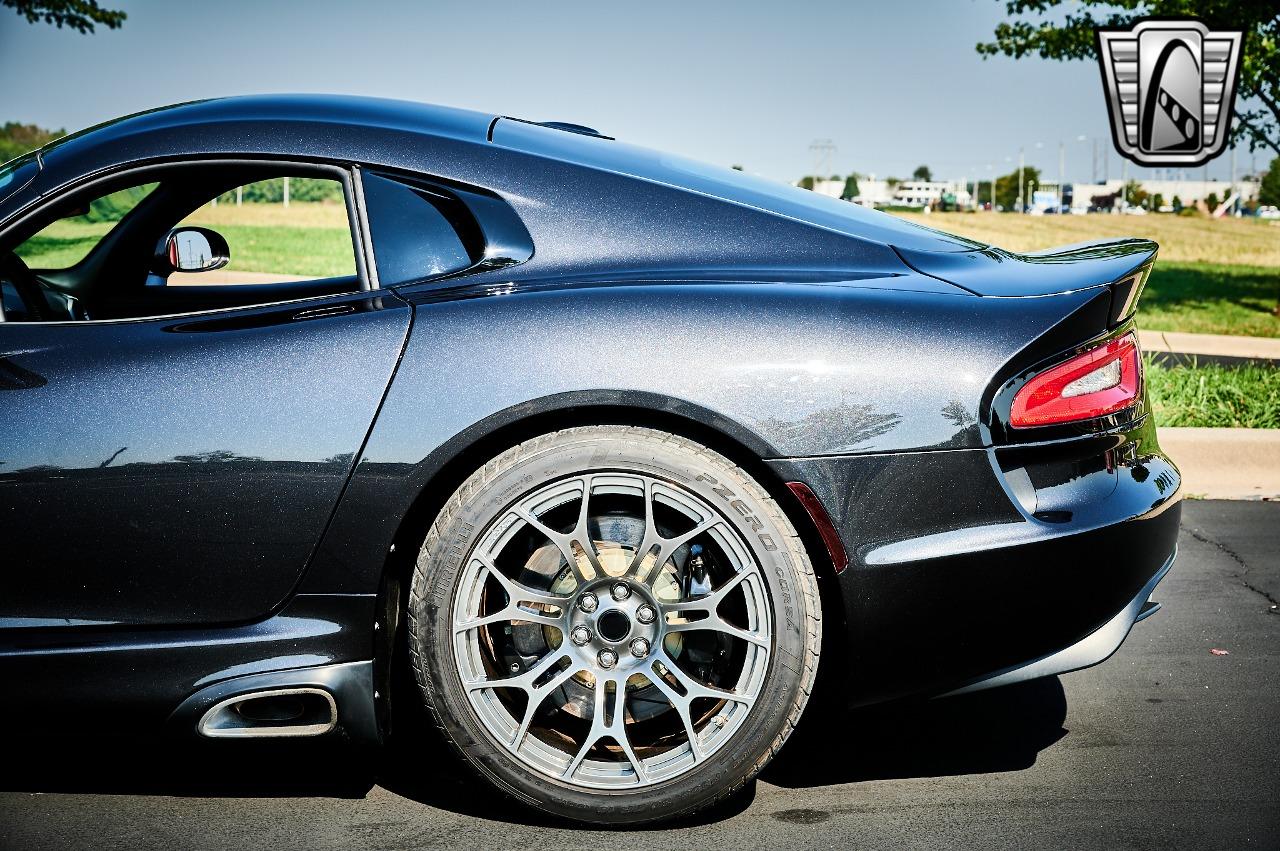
(681, 704)
(518, 592)
(510, 614)
(580, 536)
(712, 601)
(523, 680)
(519, 597)
(536, 699)
(602, 727)
(694, 689)
(666, 546)
(715, 623)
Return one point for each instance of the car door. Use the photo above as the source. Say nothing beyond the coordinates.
(180, 469)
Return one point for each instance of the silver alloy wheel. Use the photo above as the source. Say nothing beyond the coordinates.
(616, 617)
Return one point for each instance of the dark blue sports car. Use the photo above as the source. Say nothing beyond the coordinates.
(604, 449)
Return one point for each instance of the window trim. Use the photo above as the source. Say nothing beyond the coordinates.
(357, 224)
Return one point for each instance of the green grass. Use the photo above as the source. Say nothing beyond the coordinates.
(1204, 298)
(316, 251)
(1214, 396)
(62, 244)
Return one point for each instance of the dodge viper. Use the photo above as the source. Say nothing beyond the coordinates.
(599, 452)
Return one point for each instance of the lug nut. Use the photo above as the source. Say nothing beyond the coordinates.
(646, 614)
(607, 658)
(580, 635)
(620, 591)
(640, 648)
(588, 602)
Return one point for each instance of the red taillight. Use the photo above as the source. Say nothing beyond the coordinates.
(1099, 382)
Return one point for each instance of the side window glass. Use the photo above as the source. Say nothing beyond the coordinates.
(194, 238)
(281, 230)
(413, 236)
(66, 241)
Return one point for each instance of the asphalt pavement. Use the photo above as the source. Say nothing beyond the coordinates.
(1166, 744)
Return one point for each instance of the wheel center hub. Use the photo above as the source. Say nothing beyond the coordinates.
(613, 625)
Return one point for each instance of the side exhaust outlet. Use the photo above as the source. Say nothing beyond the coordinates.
(275, 713)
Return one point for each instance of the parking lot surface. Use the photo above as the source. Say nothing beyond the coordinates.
(1166, 744)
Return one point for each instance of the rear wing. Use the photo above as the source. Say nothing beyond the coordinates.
(1123, 265)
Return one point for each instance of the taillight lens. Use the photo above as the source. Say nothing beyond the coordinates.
(1099, 382)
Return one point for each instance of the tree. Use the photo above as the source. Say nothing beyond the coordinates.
(1269, 189)
(1157, 201)
(851, 189)
(17, 139)
(806, 182)
(922, 173)
(1007, 187)
(1177, 204)
(79, 15)
(1212, 201)
(1041, 27)
(1134, 194)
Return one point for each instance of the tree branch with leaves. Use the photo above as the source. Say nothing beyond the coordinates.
(80, 15)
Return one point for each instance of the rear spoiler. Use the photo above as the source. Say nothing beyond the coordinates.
(1123, 265)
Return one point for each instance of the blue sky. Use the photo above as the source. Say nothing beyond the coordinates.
(893, 84)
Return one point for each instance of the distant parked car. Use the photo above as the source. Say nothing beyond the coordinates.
(1269, 212)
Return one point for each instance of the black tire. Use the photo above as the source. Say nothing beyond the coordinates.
(788, 575)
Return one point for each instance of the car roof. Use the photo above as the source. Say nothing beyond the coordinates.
(346, 110)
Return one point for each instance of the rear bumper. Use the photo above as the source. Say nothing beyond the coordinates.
(966, 565)
(1090, 650)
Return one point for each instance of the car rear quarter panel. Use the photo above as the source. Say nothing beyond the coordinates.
(785, 371)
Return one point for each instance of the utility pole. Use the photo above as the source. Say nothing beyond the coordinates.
(1093, 168)
(1022, 204)
(239, 194)
(1235, 205)
(286, 192)
(823, 150)
(1062, 171)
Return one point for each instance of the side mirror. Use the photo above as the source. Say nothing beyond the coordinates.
(192, 249)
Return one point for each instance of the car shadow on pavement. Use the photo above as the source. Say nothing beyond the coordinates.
(984, 732)
(184, 768)
(994, 731)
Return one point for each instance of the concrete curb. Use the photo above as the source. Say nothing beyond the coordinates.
(1215, 345)
(1225, 463)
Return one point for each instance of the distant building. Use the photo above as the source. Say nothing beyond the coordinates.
(1189, 192)
(924, 193)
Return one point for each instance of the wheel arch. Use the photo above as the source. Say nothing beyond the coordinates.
(451, 464)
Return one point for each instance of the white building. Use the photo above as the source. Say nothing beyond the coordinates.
(1189, 192)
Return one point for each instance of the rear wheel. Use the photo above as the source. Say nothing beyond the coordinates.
(614, 624)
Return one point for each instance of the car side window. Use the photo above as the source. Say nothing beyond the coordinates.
(182, 239)
(64, 242)
(414, 230)
(280, 230)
